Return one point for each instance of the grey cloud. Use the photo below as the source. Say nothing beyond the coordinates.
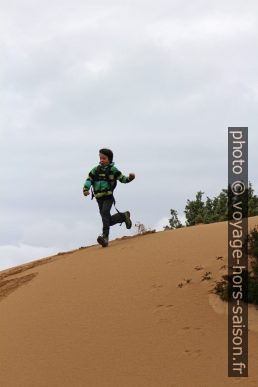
(159, 83)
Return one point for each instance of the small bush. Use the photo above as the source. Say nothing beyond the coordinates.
(225, 287)
(142, 230)
(174, 222)
(221, 288)
(253, 243)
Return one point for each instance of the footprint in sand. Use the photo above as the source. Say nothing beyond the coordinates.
(199, 267)
(206, 276)
(175, 260)
(162, 310)
(187, 281)
(196, 351)
(156, 286)
(164, 306)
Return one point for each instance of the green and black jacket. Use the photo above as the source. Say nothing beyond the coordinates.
(104, 187)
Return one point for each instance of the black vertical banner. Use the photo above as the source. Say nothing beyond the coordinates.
(237, 252)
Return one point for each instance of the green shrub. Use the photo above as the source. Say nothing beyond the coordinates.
(225, 287)
(212, 210)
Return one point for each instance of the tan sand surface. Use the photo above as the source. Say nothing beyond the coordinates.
(116, 317)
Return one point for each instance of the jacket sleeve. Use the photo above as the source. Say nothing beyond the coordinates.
(122, 178)
(89, 180)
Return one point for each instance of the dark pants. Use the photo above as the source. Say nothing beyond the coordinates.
(105, 204)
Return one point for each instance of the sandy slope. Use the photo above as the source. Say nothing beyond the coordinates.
(116, 316)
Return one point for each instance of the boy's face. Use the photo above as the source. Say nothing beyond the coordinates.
(103, 159)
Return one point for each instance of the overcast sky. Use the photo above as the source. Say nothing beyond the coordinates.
(158, 82)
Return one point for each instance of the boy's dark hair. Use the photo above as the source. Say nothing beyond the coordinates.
(108, 153)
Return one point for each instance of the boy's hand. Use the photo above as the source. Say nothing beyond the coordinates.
(86, 192)
(131, 176)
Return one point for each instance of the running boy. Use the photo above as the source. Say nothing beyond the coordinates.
(103, 179)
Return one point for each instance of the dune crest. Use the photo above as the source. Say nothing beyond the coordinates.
(138, 313)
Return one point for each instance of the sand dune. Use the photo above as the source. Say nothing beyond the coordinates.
(134, 314)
